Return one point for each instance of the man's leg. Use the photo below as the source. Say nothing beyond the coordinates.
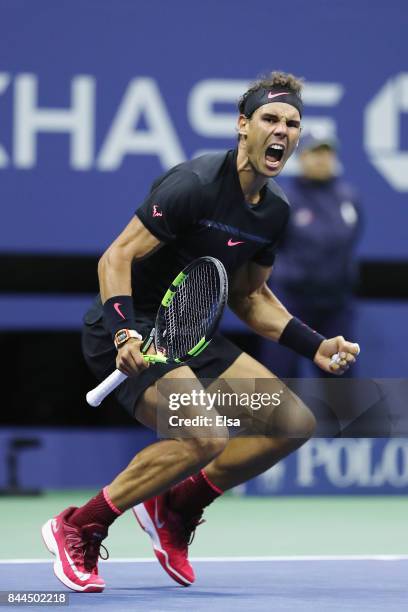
(246, 457)
(288, 427)
(77, 532)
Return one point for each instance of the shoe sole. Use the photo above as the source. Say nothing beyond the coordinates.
(146, 523)
(52, 546)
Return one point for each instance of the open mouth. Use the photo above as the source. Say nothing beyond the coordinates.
(274, 154)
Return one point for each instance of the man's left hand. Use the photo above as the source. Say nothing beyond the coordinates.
(346, 351)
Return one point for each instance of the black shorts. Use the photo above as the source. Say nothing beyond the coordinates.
(100, 355)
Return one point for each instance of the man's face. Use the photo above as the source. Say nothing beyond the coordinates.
(318, 164)
(270, 136)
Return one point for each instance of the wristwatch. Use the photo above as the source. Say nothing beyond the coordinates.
(123, 335)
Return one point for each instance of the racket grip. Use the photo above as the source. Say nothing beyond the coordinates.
(97, 395)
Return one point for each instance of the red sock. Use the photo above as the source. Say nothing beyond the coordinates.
(190, 496)
(100, 509)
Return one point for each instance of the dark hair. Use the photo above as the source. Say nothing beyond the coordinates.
(274, 80)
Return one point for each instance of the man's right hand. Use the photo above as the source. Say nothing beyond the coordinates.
(129, 359)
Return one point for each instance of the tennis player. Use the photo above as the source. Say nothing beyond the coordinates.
(225, 205)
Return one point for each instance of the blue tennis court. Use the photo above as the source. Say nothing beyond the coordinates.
(247, 583)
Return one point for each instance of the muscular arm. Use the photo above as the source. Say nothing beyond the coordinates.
(114, 270)
(114, 267)
(254, 303)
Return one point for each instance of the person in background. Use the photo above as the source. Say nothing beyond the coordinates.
(315, 270)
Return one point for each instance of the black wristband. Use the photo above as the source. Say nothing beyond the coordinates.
(301, 338)
(118, 313)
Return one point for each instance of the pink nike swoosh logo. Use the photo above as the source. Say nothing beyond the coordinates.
(116, 307)
(232, 243)
(282, 93)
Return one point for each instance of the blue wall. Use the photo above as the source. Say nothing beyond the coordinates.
(71, 458)
(91, 458)
(98, 97)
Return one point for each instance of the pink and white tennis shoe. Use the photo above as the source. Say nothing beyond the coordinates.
(76, 550)
(171, 534)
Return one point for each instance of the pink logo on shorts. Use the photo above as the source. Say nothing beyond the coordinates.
(156, 211)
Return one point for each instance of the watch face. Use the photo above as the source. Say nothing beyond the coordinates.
(121, 337)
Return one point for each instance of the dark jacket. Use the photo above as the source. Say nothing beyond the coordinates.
(315, 260)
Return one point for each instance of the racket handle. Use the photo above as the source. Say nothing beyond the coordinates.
(97, 395)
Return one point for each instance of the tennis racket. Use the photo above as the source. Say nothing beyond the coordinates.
(185, 322)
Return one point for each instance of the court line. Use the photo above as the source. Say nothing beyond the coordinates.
(376, 557)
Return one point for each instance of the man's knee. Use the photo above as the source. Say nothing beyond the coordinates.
(293, 420)
(303, 423)
(306, 422)
(205, 449)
